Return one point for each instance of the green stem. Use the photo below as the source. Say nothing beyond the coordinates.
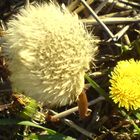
(97, 87)
(130, 120)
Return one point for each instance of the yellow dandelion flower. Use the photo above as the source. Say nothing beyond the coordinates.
(125, 84)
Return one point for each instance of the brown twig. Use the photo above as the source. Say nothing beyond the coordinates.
(74, 109)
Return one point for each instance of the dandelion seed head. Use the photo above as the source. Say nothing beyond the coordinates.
(48, 54)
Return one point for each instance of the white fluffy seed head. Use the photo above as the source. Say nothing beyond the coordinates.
(49, 52)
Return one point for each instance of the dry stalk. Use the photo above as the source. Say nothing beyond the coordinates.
(74, 109)
(122, 32)
(113, 20)
(117, 14)
(119, 5)
(27, 3)
(100, 7)
(126, 39)
(98, 19)
(81, 7)
(73, 5)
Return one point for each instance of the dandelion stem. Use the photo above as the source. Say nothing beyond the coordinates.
(96, 87)
(130, 120)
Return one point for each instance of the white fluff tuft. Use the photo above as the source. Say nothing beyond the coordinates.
(49, 52)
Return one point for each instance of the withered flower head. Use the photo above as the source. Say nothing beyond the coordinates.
(49, 52)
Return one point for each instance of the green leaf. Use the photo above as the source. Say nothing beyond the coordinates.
(25, 123)
(137, 115)
(51, 134)
(49, 137)
(97, 87)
